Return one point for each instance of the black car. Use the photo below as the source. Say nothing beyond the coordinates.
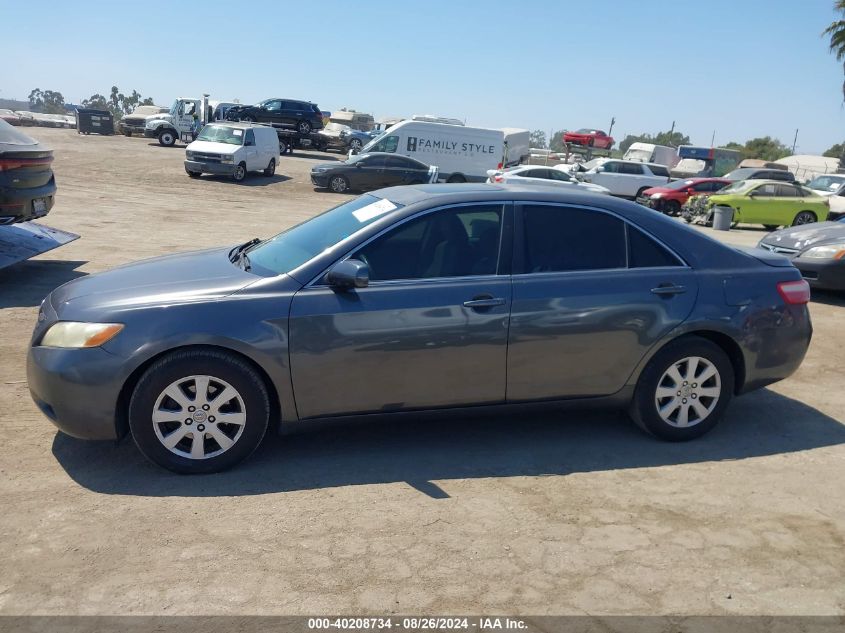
(817, 250)
(754, 173)
(372, 171)
(27, 184)
(303, 116)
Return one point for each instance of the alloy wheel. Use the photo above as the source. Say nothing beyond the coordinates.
(199, 417)
(688, 392)
(338, 184)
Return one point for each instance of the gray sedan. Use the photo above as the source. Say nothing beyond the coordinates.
(417, 298)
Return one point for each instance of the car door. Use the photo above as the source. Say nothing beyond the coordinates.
(430, 329)
(250, 151)
(395, 172)
(591, 295)
(608, 176)
(757, 204)
(290, 113)
(368, 173)
(632, 178)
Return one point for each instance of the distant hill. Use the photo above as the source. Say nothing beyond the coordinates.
(11, 104)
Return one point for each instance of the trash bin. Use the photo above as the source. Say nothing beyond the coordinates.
(89, 120)
(722, 218)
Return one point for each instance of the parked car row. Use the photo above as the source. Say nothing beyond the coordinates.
(29, 119)
(27, 183)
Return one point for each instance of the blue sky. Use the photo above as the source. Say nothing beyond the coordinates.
(743, 68)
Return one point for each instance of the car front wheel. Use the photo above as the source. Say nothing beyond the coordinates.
(684, 390)
(199, 411)
(240, 172)
(304, 127)
(339, 184)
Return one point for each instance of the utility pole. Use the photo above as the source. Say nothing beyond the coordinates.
(671, 130)
(713, 139)
(795, 141)
(610, 129)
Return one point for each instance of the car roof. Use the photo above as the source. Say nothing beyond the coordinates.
(241, 125)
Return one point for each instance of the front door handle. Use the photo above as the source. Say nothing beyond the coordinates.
(484, 302)
(669, 289)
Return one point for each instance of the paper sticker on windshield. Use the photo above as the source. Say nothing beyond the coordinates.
(374, 210)
(237, 132)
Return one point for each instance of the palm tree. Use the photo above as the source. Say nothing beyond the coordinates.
(836, 31)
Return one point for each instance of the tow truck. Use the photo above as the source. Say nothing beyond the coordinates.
(184, 120)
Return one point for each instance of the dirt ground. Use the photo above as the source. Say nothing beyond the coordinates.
(569, 513)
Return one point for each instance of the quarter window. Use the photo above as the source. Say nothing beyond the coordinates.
(630, 168)
(565, 239)
(448, 243)
(644, 252)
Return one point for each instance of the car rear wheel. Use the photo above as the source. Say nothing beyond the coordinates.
(283, 147)
(684, 390)
(271, 168)
(199, 411)
(456, 178)
(805, 217)
(303, 127)
(339, 184)
(356, 144)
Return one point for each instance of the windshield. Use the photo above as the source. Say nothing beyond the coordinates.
(289, 250)
(222, 134)
(174, 109)
(690, 165)
(591, 163)
(826, 183)
(737, 187)
(679, 184)
(585, 130)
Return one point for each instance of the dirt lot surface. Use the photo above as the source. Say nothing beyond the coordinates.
(567, 513)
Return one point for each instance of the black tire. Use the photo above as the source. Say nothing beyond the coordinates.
(770, 227)
(127, 133)
(167, 138)
(339, 184)
(192, 174)
(247, 118)
(220, 366)
(356, 144)
(644, 406)
(456, 178)
(283, 147)
(240, 172)
(804, 217)
(303, 127)
(672, 207)
(271, 168)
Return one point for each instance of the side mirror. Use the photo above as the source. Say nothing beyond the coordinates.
(348, 274)
(599, 169)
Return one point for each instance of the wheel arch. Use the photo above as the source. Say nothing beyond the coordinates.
(121, 414)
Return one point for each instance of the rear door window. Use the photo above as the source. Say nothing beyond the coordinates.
(630, 168)
(787, 191)
(659, 170)
(558, 238)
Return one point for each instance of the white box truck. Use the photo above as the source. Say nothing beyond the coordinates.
(517, 146)
(462, 154)
(651, 153)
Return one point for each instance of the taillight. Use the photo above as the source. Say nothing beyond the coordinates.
(795, 292)
(498, 178)
(17, 163)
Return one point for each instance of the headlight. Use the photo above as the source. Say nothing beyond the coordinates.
(189, 155)
(73, 334)
(656, 196)
(320, 170)
(828, 251)
(227, 159)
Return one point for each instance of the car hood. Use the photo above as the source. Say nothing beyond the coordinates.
(162, 281)
(211, 147)
(800, 237)
(653, 190)
(333, 165)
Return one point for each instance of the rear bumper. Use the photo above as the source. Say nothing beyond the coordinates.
(210, 168)
(18, 205)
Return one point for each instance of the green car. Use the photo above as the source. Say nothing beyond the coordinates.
(771, 203)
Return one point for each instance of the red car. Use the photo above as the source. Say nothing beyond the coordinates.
(589, 137)
(670, 198)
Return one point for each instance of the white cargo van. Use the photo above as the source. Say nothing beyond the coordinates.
(651, 153)
(517, 146)
(462, 154)
(233, 149)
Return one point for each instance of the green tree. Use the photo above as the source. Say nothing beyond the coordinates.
(835, 151)
(836, 32)
(47, 101)
(556, 142)
(669, 139)
(765, 148)
(537, 139)
(117, 103)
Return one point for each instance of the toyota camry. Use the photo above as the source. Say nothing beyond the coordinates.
(417, 298)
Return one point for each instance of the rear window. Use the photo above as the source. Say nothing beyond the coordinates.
(659, 170)
(11, 136)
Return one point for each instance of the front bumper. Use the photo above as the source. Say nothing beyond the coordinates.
(824, 274)
(320, 180)
(18, 205)
(200, 167)
(77, 389)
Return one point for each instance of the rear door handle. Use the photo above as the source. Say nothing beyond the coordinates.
(669, 289)
(487, 302)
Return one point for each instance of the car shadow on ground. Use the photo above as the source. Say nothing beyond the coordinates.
(26, 283)
(423, 450)
(315, 155)
(252, 180)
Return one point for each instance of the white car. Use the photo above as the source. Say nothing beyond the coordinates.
(545, 176)
(625, 178)
(832, 187)
(233, 149)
